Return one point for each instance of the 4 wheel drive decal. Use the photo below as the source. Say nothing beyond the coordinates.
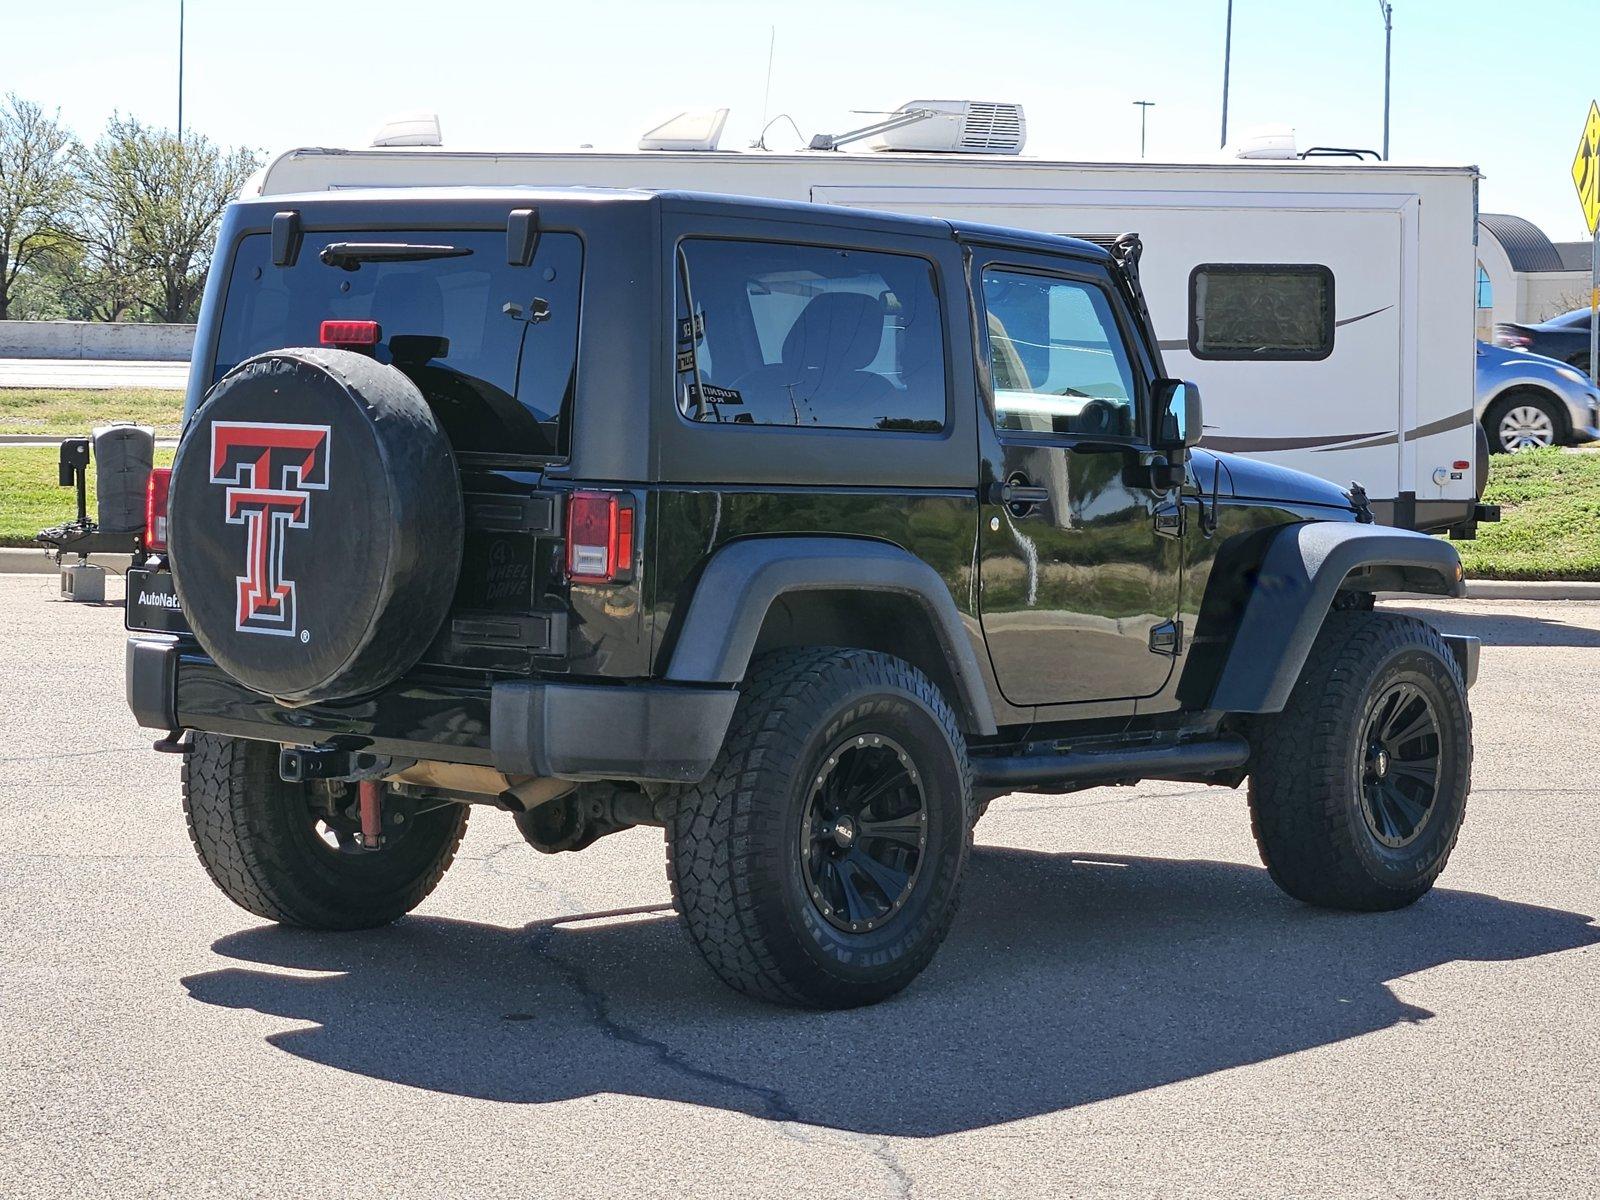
(269, 472)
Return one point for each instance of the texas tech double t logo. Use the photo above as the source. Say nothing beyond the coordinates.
(270, 472)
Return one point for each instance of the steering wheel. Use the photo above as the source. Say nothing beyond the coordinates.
(1099, 417)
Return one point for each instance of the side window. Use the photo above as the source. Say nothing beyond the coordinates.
(770, 333)
(1260, 311)
(1056, 357)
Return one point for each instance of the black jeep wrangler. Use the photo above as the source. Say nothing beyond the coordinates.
(799, 532)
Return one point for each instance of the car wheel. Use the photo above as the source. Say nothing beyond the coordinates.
(1359, 787)
(288, 851)
(820, 861)
(1523, 420)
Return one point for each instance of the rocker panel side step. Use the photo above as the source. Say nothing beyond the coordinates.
(1169, 761)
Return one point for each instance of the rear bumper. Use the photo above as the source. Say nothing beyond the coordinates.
(648, 732)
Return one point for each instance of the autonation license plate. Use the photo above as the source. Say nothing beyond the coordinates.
(153, 603)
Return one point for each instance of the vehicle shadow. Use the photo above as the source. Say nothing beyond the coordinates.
(1066, 980)
(1505, 629)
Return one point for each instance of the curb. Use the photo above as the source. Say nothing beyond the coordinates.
(1533, 589)
(55, 439)
(1512, 589)
(29, 560)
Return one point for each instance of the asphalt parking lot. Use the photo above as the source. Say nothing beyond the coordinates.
(1126, 1005)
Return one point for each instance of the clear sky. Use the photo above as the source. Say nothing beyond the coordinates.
(1503, 86)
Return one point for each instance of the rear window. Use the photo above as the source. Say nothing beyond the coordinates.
(786, 334)
(459, 327)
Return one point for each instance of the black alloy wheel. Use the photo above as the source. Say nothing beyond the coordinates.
(1400, 773)
(864, 832)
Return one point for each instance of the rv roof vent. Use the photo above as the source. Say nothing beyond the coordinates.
(695, 130)
(959, 127)
(1266, 141)
(409, 129)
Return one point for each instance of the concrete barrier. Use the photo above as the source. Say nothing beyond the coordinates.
(96, 340)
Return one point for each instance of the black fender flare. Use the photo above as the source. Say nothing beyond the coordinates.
(739, 584)
(1303, 567)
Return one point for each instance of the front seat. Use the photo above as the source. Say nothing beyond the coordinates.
(821, 372)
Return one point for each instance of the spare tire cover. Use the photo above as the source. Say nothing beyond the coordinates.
(315, 524)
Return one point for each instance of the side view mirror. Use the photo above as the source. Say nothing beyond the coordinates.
(1178, 420)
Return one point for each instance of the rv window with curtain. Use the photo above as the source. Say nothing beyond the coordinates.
(785, 334)
(1261, 311)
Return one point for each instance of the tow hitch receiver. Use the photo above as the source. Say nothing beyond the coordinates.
(304, 764)
(309, 764)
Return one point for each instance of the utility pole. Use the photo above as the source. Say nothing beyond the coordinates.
(1144, 111)
(1387, 9)
(1227, 62)
(1594, 305)
(180, 70)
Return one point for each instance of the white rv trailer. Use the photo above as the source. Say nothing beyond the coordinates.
(1324, 305)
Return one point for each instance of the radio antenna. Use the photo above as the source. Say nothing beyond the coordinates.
(766, 95)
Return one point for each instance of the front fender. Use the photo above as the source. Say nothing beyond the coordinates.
(1303, 567)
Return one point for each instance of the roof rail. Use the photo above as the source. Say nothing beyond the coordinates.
(1339, 152)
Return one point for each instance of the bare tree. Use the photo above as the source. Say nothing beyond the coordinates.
(36, 189)
(1563, 302)
(150, 206)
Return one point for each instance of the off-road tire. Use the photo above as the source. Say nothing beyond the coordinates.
(1308, 766)
(256, 841)
(734, 856)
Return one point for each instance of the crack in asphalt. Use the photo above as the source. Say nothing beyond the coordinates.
(1059, 807)
(487, 861)
(776, 1106)
(774, 1103)
(883, 1153)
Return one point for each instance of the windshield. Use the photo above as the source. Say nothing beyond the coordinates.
(493, 347)
(1570, 320)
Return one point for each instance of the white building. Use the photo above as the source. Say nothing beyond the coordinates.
(1523, 276)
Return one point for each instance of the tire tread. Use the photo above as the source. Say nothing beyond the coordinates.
(718, 869)
(1298, 798)
(228, 786)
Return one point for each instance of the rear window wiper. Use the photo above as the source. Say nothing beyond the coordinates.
(350, 255)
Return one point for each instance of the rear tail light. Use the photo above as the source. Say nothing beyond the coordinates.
(1516, 341)
(599, 537)
(156, 492)
(364, 334)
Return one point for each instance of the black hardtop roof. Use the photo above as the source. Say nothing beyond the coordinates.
(480, 199)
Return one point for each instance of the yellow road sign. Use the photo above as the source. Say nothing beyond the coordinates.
(1586, 168)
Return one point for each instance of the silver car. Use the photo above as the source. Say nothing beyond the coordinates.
(1529, 400)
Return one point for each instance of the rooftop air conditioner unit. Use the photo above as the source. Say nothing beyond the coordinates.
(958, 127)
(1266, 142)
(409, 129)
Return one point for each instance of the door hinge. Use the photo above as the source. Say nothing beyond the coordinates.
(1167, 638)
(1169, 519)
